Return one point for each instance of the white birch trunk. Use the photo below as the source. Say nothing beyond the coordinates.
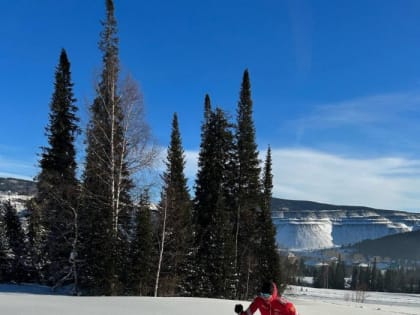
(162, 246)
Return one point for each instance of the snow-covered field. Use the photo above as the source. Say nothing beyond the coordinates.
(26, 300)
(311, 301)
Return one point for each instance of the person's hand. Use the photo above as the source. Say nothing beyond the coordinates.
(239, 308)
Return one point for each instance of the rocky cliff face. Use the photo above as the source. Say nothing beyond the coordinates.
(317, 228)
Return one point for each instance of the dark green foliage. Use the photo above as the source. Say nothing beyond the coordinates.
(140, 280)
(248, 191)
(398, 246)
(37, 240)
(375, 277)
(247, 152)
(402, 280)
(15, 239)
(106, 180)
(360, 279)
(338, 274)
(288, 272)
(332, 275)
(268, 266)
(6, 261)
(394, 279)
(322, 276)
(213, 238)
(391, 280)
(177, 204)
(228, 189)
(57, 186)
(16, 185)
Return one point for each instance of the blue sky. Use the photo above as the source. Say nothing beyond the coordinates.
(336, 84)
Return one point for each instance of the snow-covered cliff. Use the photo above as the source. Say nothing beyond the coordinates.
(315, 229)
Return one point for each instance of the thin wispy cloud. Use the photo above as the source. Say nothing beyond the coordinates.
(191, 165)
(14, 164)
(306, 174)
(384, 122)
(376, 109)
(16, 168)
(385, 182)
(312, 172)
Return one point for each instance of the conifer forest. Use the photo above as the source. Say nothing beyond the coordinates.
(93, 227)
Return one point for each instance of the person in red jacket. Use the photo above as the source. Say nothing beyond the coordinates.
(269, 302)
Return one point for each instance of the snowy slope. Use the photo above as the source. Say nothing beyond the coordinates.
(17, 200)
(308, 302)
(315, 229)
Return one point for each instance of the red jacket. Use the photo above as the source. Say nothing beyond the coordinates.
(275, 305)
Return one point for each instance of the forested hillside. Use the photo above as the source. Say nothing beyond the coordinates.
(19, 186)
(398, 246)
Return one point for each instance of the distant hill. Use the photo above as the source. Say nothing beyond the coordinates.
(27, 187)
(308, 225)
(17, 186)
(397, 246)
(304, 225)
(299, 205)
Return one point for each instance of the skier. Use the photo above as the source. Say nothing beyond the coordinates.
(268, 303)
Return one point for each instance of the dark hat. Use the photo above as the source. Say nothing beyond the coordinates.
(267, 287)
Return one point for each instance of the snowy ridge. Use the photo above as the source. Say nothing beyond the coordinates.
(316, 229)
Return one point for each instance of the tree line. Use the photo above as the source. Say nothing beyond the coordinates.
(400, 277)
(95, 234)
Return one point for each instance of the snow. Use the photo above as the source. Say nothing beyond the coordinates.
(311, 301)
(35, 300)
(17, 200)
(306, 230)
(304, 234)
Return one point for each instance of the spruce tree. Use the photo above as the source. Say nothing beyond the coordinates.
(340, 273)
(6, 262)
(106, 180)
(267, 254)
(142, 255)
(16, 241)
(374, 276)
(57, 185)
(176, 202)
(248, 191)
(213, 235)
(36, 234)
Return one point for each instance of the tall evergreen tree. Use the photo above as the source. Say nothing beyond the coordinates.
(339, 274)
(267, 254)
(207, 110)
(107, 182)
(142, 255)
(374, 276)
(6, 261)
(248, 191)
(176, 202)
(16, 241)
(203, 150)
(37, 242)
(57, 185)
(213, 238)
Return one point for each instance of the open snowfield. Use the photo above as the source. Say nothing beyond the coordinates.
(15, 300)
